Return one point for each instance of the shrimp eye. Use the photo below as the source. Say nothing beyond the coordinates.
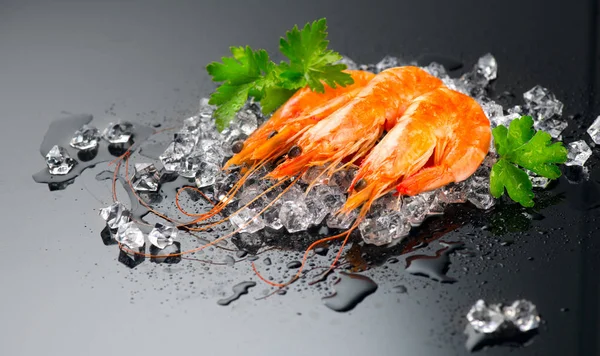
(360, 185)
(272, 134)
(295, 151)
(237, 146)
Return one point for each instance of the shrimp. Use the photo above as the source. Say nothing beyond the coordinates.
(304, 109)
(353, 130)
(442, 137)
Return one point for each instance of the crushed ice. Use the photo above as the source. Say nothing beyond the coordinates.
(198, 151)
(521, 315)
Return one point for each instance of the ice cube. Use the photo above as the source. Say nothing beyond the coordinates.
(119, 132)
(211, 150)
(453, 193)
(245, 220)
(594, 131)
(350, 64)
(487, 67)
(384, 229)
(190, 164)
(332, 197)
(538, 181)
(130, 235)
(523, 314)
(191, 125)
(416, 208)
(162, 255)
(485, 319)
(115, 215)
(206, 110)
(295, 216)
(517, 109)
(315, 173)
(504, 120)
(145, 178)
(162, 236)
(271, 216)
(437, 70)
(342, 179)
(85, 138)
(491, 109)
(175, 153)
(224, 182)
(317, 209)
(247, 119)
(341, 221)
(541, 103)
(386, 63)
(552, 126)
(58, 161)
(478, 192)
(578, 153)
(206, 174)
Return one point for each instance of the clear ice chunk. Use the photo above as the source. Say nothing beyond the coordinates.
(416, 208)
(271, 216)
(341, 221)
(316, 206)
(504, 120)
(453, 193)
(386, 63)
(594, 131)
(175, 153)
(517, 109)
(487, 67)
(206, 175)
(211, 150)
(578, 153)
(478, 192)
(244, 220)
(58, 161)
(492, 110)
(247, 119)
(295, 216)
(437, 70)
(541, 103)
(224, 182)
(552, 126)
(85, 138)
(130, 235)
(384, 229)
(145, 178)
(538, 181)
(523, 314)
(485, 319)
(350, 64)
(115, 215)
(119, 132)
(162, 236)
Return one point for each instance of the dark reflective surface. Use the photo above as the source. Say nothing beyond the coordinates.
(65, 293)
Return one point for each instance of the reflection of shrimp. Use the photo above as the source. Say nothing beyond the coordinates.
(442, 138)
(354, 129)
(304, 109)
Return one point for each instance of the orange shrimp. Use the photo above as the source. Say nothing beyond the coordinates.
(304, 109)
(442, 138)
(354, 129)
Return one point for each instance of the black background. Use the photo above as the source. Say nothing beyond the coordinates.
(62, 292)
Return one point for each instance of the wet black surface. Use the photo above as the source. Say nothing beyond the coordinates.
(64, 291)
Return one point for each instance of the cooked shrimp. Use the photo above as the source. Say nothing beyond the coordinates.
(442, 137)
(353, 130)
(304, 109)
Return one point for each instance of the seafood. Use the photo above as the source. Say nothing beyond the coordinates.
(304, 109)
(442, 137)
(354, 129)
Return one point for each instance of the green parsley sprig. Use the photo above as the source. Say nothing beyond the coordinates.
(520, 146)
(251, 74)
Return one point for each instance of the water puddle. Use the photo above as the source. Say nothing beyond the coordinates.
(350, 290)
(436, 266)
(238, 290)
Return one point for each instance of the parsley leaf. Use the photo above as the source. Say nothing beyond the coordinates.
(242, 74)
(310, 61)
(251, 74)
(521, 146)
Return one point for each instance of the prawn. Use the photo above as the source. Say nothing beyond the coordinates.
(354, 129)
(304, 109)
(442, 138)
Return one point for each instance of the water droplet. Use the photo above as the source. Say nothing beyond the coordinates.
(238, 290)
(434, 267)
